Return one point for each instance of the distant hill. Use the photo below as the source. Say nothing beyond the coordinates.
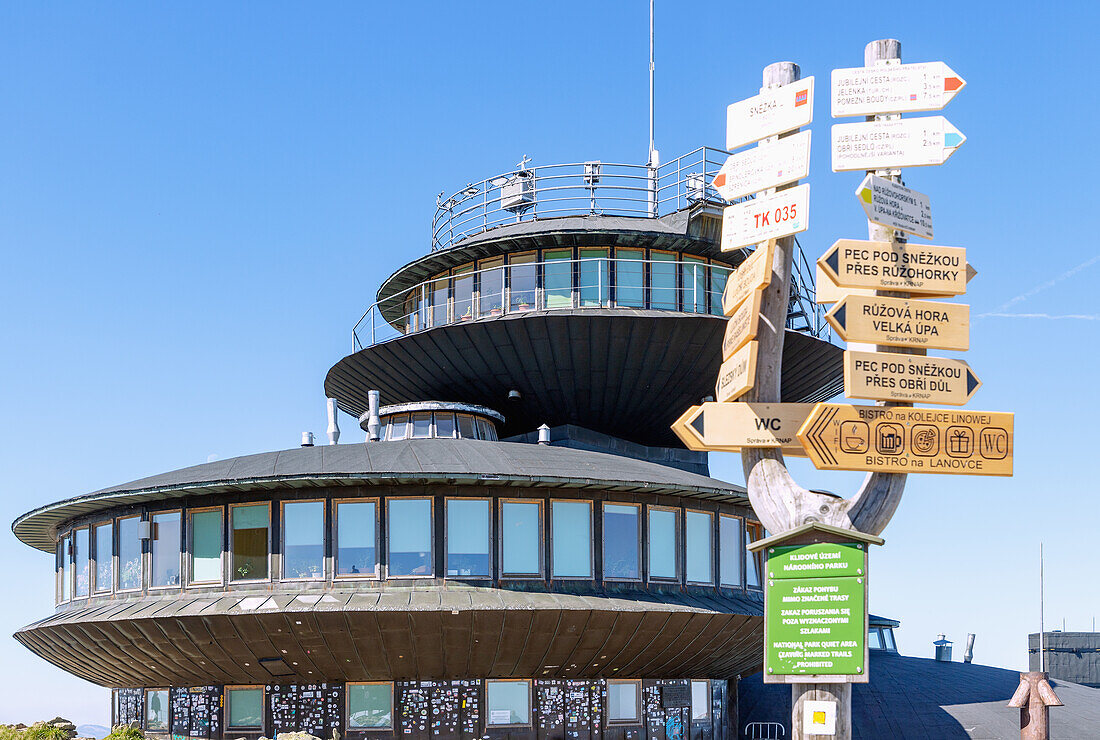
(97, 731)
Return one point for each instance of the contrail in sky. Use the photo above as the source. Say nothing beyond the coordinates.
(1043, 286)
(1078, 316)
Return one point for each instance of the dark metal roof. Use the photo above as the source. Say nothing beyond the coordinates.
(417, 461)
(402, 633)
(669, 232)
(625, 372)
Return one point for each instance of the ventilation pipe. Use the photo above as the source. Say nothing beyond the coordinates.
(943, 649)
(374, 422)
(968, 654)
(333, 426)
(544, 435)
(307, 439)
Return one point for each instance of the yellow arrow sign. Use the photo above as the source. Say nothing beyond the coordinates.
(912, 378)
(924, 269)
(898, 439)
(901, 323)
(737, 374)
(754, 273)
(742, 326)
(730, 427)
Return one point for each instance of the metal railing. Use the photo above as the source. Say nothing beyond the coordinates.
(577, 189)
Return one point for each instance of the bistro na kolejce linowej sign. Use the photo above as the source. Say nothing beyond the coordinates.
(815, 607)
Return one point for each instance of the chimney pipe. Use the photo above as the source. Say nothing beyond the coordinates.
(307, 439)
(374, 422)
(968, 654)
(544, 435)
(333, 426)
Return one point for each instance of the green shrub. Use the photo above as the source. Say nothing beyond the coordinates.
(123, 732)
(43, 731)
(10, 733)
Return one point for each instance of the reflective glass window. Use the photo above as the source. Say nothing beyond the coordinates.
(663, 543)
(398, 426)
(466, 426)
(81, 563)
(719, 274)
(508, 703)
(571, 539)
(752, 559)
(558, 278)
(595, 277)
(304, 539)
(166, 549)
(522, 280)
(409, 531)
(693, 278)
(621, 541)
(422, 425)
(444, 424)
(491, 293)
(104, 560)
(485, 430)
(370, 706)
(464, 294)
(630, 277)
(440, 299)
(129, 553)
(206, 546)
(874, 639)
(521, 538)
(244, 708)
(66, 547)
(468, 538)
(248, 542)
(356, 538)
(156, 710)
(411, 317)
(888, 639)
(700, 552)
(662, 280)
(624, 701)
(700, 701)
(729, 550)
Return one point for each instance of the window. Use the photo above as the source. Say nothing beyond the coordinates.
(630, 277)
(466, 426)
(621, 541)
(468, 538)
(662, 280)
(507, 703)
(410, 311)
(595, 277)
(104, 560)
(693, 276)
(719, 274)
(370, 706)
(700, 701)
(206, 545)
(485, 430)
(464, 294)
(700, 551)
(874, 639)
(664, 543)
(440, 293)
(752, 559)
(81, 563)
(558, 278)
(166, 550)
(444, 425)
(729, 550)
(523, 278)
(409, 529)
(422, 425)
(624, 701)
(356, 538)
(249, 541)
(156, 710)
(304, 539)
(521, 538)
(888, 639)
(571, 539)
(244, 708)
(398, 426)
(65, 547)
(491, 295)
(129, 554)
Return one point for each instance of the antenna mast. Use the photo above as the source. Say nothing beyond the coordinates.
(651, 147)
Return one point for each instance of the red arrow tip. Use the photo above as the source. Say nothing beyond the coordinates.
(720, 179)
(951, 84)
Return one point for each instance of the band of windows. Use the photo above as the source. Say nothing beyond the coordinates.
(475, 538)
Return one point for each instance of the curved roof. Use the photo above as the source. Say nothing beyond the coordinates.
(415, 461)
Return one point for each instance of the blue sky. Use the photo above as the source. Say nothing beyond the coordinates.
(197, 202)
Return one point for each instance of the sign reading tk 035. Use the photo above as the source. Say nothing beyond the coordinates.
(766, 217)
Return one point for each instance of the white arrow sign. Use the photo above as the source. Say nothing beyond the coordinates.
(763, 167)
(766, 217)
(904, 142)
(894, 88)
(888, 203)
(770, 113)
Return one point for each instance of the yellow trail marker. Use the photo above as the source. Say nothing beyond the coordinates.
(914, 268)
(737, 375)
(912, 378)
(742, 326)
(896, 439)
(752, 274)
(730, 427)
(901, 323)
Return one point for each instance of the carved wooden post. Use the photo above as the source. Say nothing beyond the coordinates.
(1034, 697)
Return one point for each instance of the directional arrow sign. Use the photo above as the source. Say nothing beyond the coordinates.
(894, 88)
(902, 142)
(763, 167)
(742, 326)
(826, 291)
(913, 378)
(730, 427)
(892, 204)
(913, 268)
(766, 217)
(772, 112)
(901, 323)
(897, 439)
(737, 374)
(754, 273)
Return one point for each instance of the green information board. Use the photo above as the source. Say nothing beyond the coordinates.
(815, 610)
